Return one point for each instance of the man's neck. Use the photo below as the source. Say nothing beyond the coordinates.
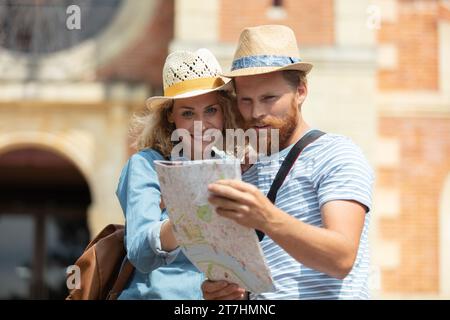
(299, 131)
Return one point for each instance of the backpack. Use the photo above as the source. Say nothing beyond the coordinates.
(104, 267)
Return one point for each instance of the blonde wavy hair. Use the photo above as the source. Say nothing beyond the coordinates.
(152, 129)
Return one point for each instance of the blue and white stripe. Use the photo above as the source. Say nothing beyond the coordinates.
(331, 168)
(263, 61)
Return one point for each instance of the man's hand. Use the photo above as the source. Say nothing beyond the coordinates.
(222, 290)
(243, 203)
(331, 249)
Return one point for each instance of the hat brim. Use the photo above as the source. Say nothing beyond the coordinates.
(300, 66)
(153, 103)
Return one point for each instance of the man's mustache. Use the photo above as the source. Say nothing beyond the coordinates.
(272, 122)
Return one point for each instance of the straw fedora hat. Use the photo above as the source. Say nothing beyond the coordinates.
(188, 74)
(264, 49)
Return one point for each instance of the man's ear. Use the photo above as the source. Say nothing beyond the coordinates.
(302, 92)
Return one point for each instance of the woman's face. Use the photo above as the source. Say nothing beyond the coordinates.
(204, 108)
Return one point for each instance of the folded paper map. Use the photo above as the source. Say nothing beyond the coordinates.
(219, 247)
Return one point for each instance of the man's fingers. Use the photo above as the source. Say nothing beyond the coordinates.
(230, 291)
(225, 191)
(212, 286)
(237, 184)
(224, 203)
(233, 296)
(229, 192)
(230, 214)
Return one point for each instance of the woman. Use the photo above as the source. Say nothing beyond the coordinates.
(193, 91)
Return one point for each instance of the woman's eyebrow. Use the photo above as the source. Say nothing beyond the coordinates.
(211, 105)
(186, 107)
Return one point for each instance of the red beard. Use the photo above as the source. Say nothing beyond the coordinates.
(285, 125)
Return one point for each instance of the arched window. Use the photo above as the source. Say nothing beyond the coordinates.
(40, 27)
(43, 223)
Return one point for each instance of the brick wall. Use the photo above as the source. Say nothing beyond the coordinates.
(415, 36)
(424, 164)
(424, 148)
(312, 20)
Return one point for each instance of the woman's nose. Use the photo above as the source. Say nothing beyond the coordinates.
(200, 125)
(199, 117)
(203, 121)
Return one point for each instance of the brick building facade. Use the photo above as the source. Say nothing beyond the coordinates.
(414, 107)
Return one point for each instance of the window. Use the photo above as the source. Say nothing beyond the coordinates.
(277, 3)
(39, 27)
(276, 11)
(43, 223)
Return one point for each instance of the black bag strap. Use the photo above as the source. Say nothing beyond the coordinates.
(287, 165)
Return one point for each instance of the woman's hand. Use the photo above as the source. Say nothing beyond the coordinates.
(167, 237)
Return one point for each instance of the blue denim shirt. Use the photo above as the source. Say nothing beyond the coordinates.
(158, 274)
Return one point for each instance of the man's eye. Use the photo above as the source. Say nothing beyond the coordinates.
(269, 98)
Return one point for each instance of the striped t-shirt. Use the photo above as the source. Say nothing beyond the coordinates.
(331, 168)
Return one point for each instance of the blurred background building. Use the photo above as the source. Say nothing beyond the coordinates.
(72, 76)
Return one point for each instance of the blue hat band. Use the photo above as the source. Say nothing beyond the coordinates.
(263, 61)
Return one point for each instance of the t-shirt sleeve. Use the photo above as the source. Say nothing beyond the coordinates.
(343, 173)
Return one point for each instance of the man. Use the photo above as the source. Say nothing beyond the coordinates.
(315, 240)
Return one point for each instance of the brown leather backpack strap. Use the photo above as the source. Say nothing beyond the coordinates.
(125, 273)
(124, 276)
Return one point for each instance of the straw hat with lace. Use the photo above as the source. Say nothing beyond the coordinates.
(188, 74)
(264, 49)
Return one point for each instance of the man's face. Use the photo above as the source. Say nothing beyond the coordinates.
(267, 102)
